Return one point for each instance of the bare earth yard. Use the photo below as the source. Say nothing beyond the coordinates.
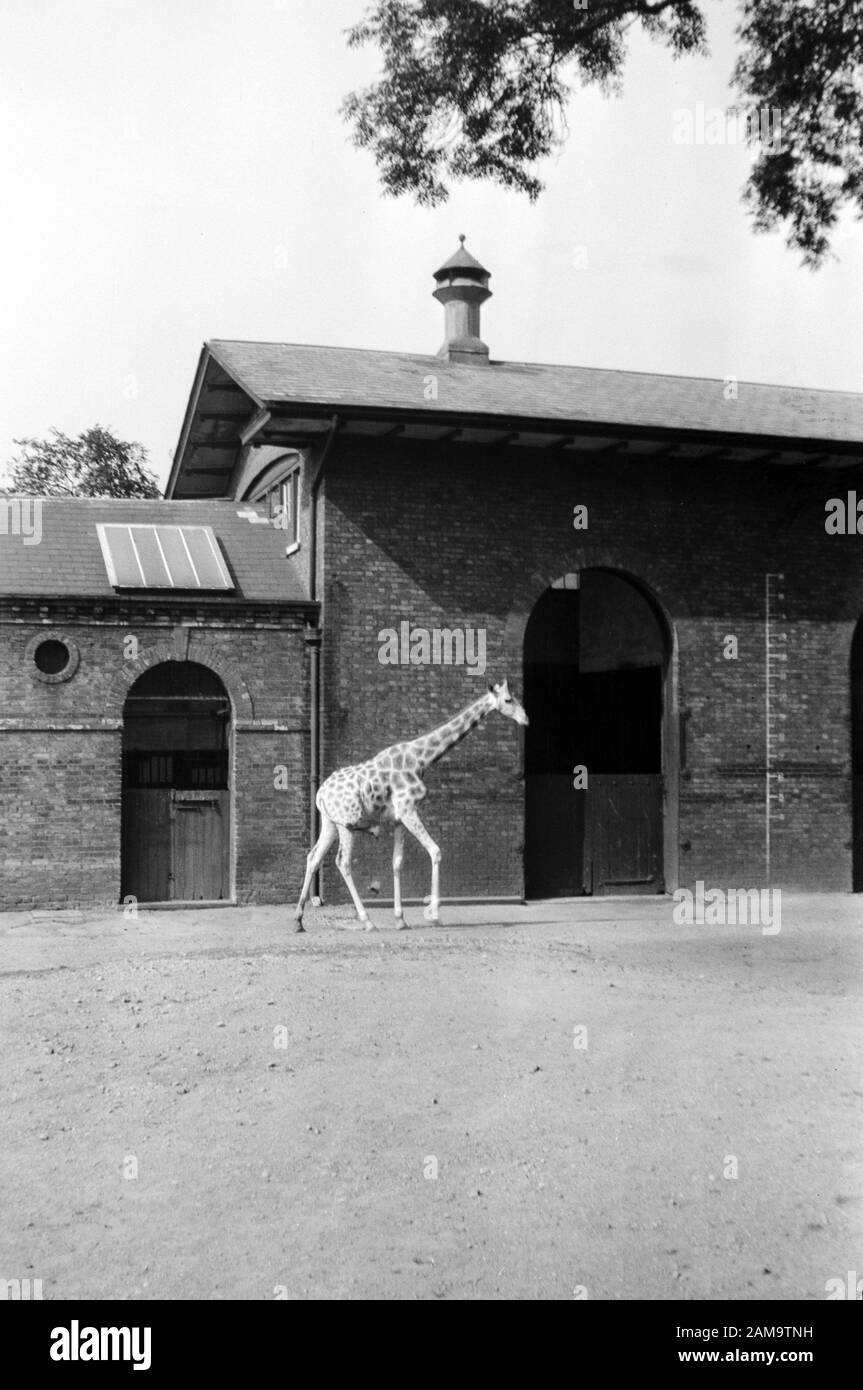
(430, 1129)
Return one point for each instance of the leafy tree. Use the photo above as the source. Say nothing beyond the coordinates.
(96, 464)
(475, 89)
(805, 58)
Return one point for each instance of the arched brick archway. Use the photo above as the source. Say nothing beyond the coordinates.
(178, 723)
(638, 566)
(619, 834)
(204, 653)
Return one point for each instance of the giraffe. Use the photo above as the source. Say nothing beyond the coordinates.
(385, 791)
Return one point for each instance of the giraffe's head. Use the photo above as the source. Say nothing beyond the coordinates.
(507, 704)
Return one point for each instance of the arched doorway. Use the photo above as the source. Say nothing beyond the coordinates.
(857, 756)
(596, 659)
(176, 786)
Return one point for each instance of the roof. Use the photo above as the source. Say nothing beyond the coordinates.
(460, 260)
(68, 560)
(345, 378)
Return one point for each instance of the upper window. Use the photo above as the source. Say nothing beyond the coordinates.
(52, 657)
(282, 501)
(163, 557)
(55, 657)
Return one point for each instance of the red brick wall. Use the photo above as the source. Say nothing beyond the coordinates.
(450, 536)
(60, 786)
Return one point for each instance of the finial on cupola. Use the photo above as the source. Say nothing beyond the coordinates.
(462, 287)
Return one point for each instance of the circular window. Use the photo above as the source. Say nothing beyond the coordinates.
(51, 657)
(54, 656)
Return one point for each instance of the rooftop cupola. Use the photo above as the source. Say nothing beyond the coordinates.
(462, 286)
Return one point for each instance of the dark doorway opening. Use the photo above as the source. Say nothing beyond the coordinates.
(857, 756)
(176, 786)
(594, 670)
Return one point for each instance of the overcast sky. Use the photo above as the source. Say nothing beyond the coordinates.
(176, 170)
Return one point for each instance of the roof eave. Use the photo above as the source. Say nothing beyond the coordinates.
(188, 420)
(148, 597)
(208, 355)
(562, 425)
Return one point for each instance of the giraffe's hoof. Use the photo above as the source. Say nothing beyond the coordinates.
(401, 924)
(298, 926)
(369, 926)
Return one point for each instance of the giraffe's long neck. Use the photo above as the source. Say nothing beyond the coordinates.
(433, 745)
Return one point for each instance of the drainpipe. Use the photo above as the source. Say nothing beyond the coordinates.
(314, 638)
(313, 646)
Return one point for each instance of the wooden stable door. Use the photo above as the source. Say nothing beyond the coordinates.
(594, 692)
(175, 845)
(199, 845)
(605, 839)
(176, 786)
(146, 854)
(622, 850)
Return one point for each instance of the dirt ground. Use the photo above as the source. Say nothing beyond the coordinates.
(200, 1105)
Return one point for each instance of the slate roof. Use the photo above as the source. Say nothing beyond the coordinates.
(461, 260)
(68, 559)
(346, 378)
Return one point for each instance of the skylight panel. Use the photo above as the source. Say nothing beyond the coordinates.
(163, 557)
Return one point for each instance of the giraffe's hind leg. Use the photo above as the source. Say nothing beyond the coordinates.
(343, 860)
(325, 839)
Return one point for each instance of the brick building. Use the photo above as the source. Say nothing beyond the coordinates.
(652, 561)
(141, 724)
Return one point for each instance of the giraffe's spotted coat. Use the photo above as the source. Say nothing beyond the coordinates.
(386, 790)
(382, 789)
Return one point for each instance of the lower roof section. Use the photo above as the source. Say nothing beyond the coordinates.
(50, 546)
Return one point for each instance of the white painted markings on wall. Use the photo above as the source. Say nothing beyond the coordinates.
(775, 676)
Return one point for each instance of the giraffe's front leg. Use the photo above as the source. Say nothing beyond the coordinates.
(411, 821)
(398, 856)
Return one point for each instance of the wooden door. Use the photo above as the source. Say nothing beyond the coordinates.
(175, 845)
(176, 780)
(146, 850)
(199, 843)
(594, 663)
(623, 834)
(554, 852)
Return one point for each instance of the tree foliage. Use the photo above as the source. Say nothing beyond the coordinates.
(476, 89)
(806, 61)
(96, 464)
